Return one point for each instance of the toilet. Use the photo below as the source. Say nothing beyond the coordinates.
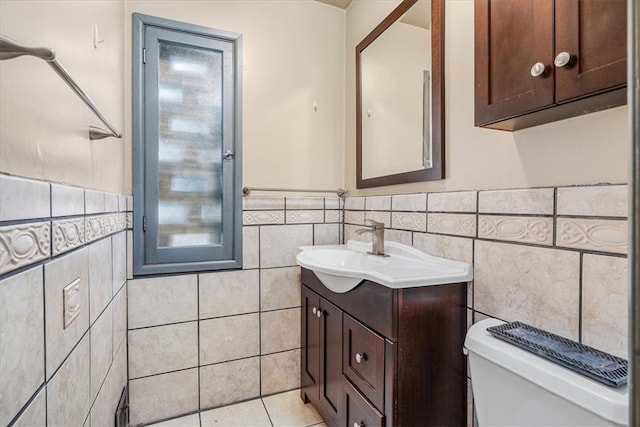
(512, 387)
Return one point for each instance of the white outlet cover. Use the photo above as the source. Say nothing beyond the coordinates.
(71, 302)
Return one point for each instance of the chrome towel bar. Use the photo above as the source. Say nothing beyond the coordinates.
(10, 49)
(247, 190)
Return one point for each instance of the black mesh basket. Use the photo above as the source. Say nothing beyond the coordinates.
(588, 361)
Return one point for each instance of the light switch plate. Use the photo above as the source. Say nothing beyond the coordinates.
(71, 302)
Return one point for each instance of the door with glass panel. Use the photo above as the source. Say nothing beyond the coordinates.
(189, 140)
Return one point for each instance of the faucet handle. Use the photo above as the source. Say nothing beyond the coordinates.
(375, 224)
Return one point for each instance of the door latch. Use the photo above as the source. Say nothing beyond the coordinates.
(228, 155)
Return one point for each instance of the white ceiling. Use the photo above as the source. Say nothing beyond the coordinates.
(337, 3)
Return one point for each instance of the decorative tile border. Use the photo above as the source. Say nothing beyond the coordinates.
(305, 217)
(456, 224)
(409, 221)
(593, 234)
(383, 217)
(518, 229)
(262, 217)
(24, 244)
(59, 223)
(68, 234)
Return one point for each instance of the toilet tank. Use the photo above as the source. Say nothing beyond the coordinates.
(512, 387)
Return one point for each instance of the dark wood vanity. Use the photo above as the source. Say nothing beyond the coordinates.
(376, 356)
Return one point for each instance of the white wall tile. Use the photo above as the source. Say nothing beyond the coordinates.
(535, 285)
(250, 247)
(119, 256)
(122, 203)
(22, 198)
(100, 277)
(378, 203)
(161, 349)
(129, 203)
(409, 202)
(229, 292)
(104, 407)
(326, 234)
(101, 335)
(119, 319)
(21, 340)
(66, 200)
(279, 288)
(229, 382)
(58, 274)
(354, 203)
(110, 202)
(600, 200)
(399, 236)
(280, 372)
(94, 202)
(454, 248)
(354, 217)
(304, 203)
(263, 203)
(605, 303)
(280, 330)
(537, 201)
(333, 203)
(333, 216)
(36, 412)
(457, 201)
(129, 254)
(163, 396)
(279, 244)
(68, 392)
(229, 338)
(162, 300)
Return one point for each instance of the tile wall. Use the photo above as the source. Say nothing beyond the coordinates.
(199, 341)
(63, 341)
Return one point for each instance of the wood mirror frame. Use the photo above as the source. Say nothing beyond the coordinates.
(437, 99)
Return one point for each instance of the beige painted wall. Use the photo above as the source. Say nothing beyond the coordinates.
(43, 123)
(293, 56)
(584, 150)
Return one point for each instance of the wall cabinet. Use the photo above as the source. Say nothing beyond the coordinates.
(538, 61)
(377, 356)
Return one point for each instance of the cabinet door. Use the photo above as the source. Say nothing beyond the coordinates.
(594, 33)
(510, 37)
(330, 357)
(310, 341)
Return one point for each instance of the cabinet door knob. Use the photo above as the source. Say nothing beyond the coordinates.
(319, 313)
(313, 310)
(538, 69)
(361, 357)
(563, 59)
(358, 424)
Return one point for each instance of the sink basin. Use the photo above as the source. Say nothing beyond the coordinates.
(342, 267)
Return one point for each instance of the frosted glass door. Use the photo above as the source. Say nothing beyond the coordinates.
(189, 146)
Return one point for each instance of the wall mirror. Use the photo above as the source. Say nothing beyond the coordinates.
(399, 97)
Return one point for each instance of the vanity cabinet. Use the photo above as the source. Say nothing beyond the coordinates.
(377, 356)
(538, 61)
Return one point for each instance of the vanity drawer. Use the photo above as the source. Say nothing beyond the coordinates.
(363, 360)
(359, 412)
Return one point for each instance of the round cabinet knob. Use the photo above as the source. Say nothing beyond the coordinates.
(313, 310)
(361, 357)
(358, 424)
(319, 313)
(538, 69)
(562, 59)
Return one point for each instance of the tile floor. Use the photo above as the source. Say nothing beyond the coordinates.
(279, 410)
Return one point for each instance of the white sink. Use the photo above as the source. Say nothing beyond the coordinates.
(341, 267)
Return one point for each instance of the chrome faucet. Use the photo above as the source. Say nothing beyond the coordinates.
(377, 236)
